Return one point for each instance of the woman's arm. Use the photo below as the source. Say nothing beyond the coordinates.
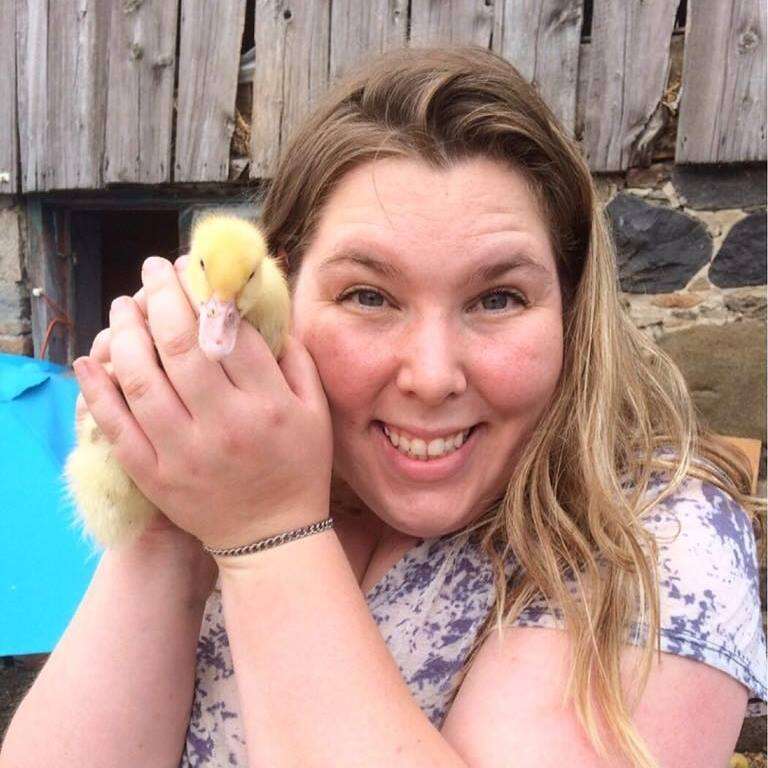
(511, 704)
(117, 689)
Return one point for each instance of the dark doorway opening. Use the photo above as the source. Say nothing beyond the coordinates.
(109, 247)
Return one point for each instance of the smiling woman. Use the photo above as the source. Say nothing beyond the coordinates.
(524, 507)
(409, 280)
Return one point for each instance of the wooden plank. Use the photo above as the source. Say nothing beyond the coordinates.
(541, 39)
(209, 60)
(361, 30)
(292, 64)
(9, 181)
(461, 22)
(723, 100)
(142, 55)
(61, 84)
(629, 62)
(48, 280)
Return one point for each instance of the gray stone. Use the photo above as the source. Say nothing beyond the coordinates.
(659, 250)
(741, 259)
(10, 246)
(724, 366)
(16, 677)
(747, 303)
(14, 302)
(17, 345)
(753, 735)
(710, 187)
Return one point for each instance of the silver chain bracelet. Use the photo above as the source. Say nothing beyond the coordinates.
(272, 541)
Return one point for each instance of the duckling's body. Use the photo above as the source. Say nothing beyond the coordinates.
(231, 275)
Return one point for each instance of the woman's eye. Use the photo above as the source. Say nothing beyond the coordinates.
(367, 297)
(502, 299)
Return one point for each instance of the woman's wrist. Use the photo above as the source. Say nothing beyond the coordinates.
(171, 554)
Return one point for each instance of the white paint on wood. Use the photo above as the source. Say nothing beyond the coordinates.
(541, 39)
(142, 56)
(463, 22)
(723, 99)
(629, 63)
(291, 70)
(361, 30)
(61, 54)
(209, 61)
(8, 136)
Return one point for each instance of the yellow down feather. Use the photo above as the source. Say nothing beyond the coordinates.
(109, 506)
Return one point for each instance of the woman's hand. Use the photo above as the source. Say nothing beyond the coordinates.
(231, 451)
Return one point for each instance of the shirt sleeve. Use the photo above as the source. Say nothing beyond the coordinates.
(709, 595)
(709, 583)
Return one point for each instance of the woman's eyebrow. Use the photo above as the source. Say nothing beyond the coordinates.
(484, 274)
(354, 256)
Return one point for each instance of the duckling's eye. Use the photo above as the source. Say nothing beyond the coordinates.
(250, 277)
(202, 265)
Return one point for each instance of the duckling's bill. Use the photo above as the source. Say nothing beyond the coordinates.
(217, 329)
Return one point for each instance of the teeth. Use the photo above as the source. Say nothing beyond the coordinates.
(417, 448)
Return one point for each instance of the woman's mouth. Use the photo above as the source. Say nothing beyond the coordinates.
(424, 460)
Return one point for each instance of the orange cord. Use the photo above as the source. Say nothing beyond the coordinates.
(64, 320)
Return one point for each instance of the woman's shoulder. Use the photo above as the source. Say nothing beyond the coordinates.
(705, 538)
(709, 582)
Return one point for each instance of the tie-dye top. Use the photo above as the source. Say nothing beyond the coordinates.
(432, 602)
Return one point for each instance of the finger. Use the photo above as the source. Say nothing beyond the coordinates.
(251, 366)
(180, 265)
(100, 353)
(147, 390)
(173, 326)
(100, 346)
(140, 297)
(102, 398)
(301, 374)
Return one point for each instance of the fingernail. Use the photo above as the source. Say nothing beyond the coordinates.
(81, 367)
(120, 304)
(153, 265)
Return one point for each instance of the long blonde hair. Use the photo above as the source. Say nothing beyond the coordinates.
(621, 410)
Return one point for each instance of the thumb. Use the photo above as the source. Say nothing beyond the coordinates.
(300, 372)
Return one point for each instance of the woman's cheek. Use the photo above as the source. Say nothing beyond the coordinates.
(350, 363)
(523, 372)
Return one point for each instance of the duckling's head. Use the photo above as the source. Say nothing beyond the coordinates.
(225, 256)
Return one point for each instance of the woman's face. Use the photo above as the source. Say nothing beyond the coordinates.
(430, 302)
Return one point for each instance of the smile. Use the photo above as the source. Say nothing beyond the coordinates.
(417, 448)
(452, 460)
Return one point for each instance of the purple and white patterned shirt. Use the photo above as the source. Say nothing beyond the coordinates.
(430, 605)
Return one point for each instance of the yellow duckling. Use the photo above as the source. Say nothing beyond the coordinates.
(230, 275)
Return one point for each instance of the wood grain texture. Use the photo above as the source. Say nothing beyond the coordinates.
(142, 55)
(541, 39)
(9, 179)
(209, 60)
(292, 68)
(61, 54)
(49, 273)
(723, 99)
(360, 30)
(464, 22)
(629, 62)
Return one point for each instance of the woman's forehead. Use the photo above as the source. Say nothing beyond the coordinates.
(406, 202)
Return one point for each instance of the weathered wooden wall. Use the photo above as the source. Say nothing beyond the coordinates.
(723, 104)
(100, 97)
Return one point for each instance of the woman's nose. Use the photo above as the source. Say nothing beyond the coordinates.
(431, 363)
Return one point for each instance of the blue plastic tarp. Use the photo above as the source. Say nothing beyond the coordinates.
(45, 564)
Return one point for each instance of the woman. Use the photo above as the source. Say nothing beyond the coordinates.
(461, 365)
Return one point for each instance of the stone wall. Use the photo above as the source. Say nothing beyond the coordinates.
(15, 326)
(692, 267)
